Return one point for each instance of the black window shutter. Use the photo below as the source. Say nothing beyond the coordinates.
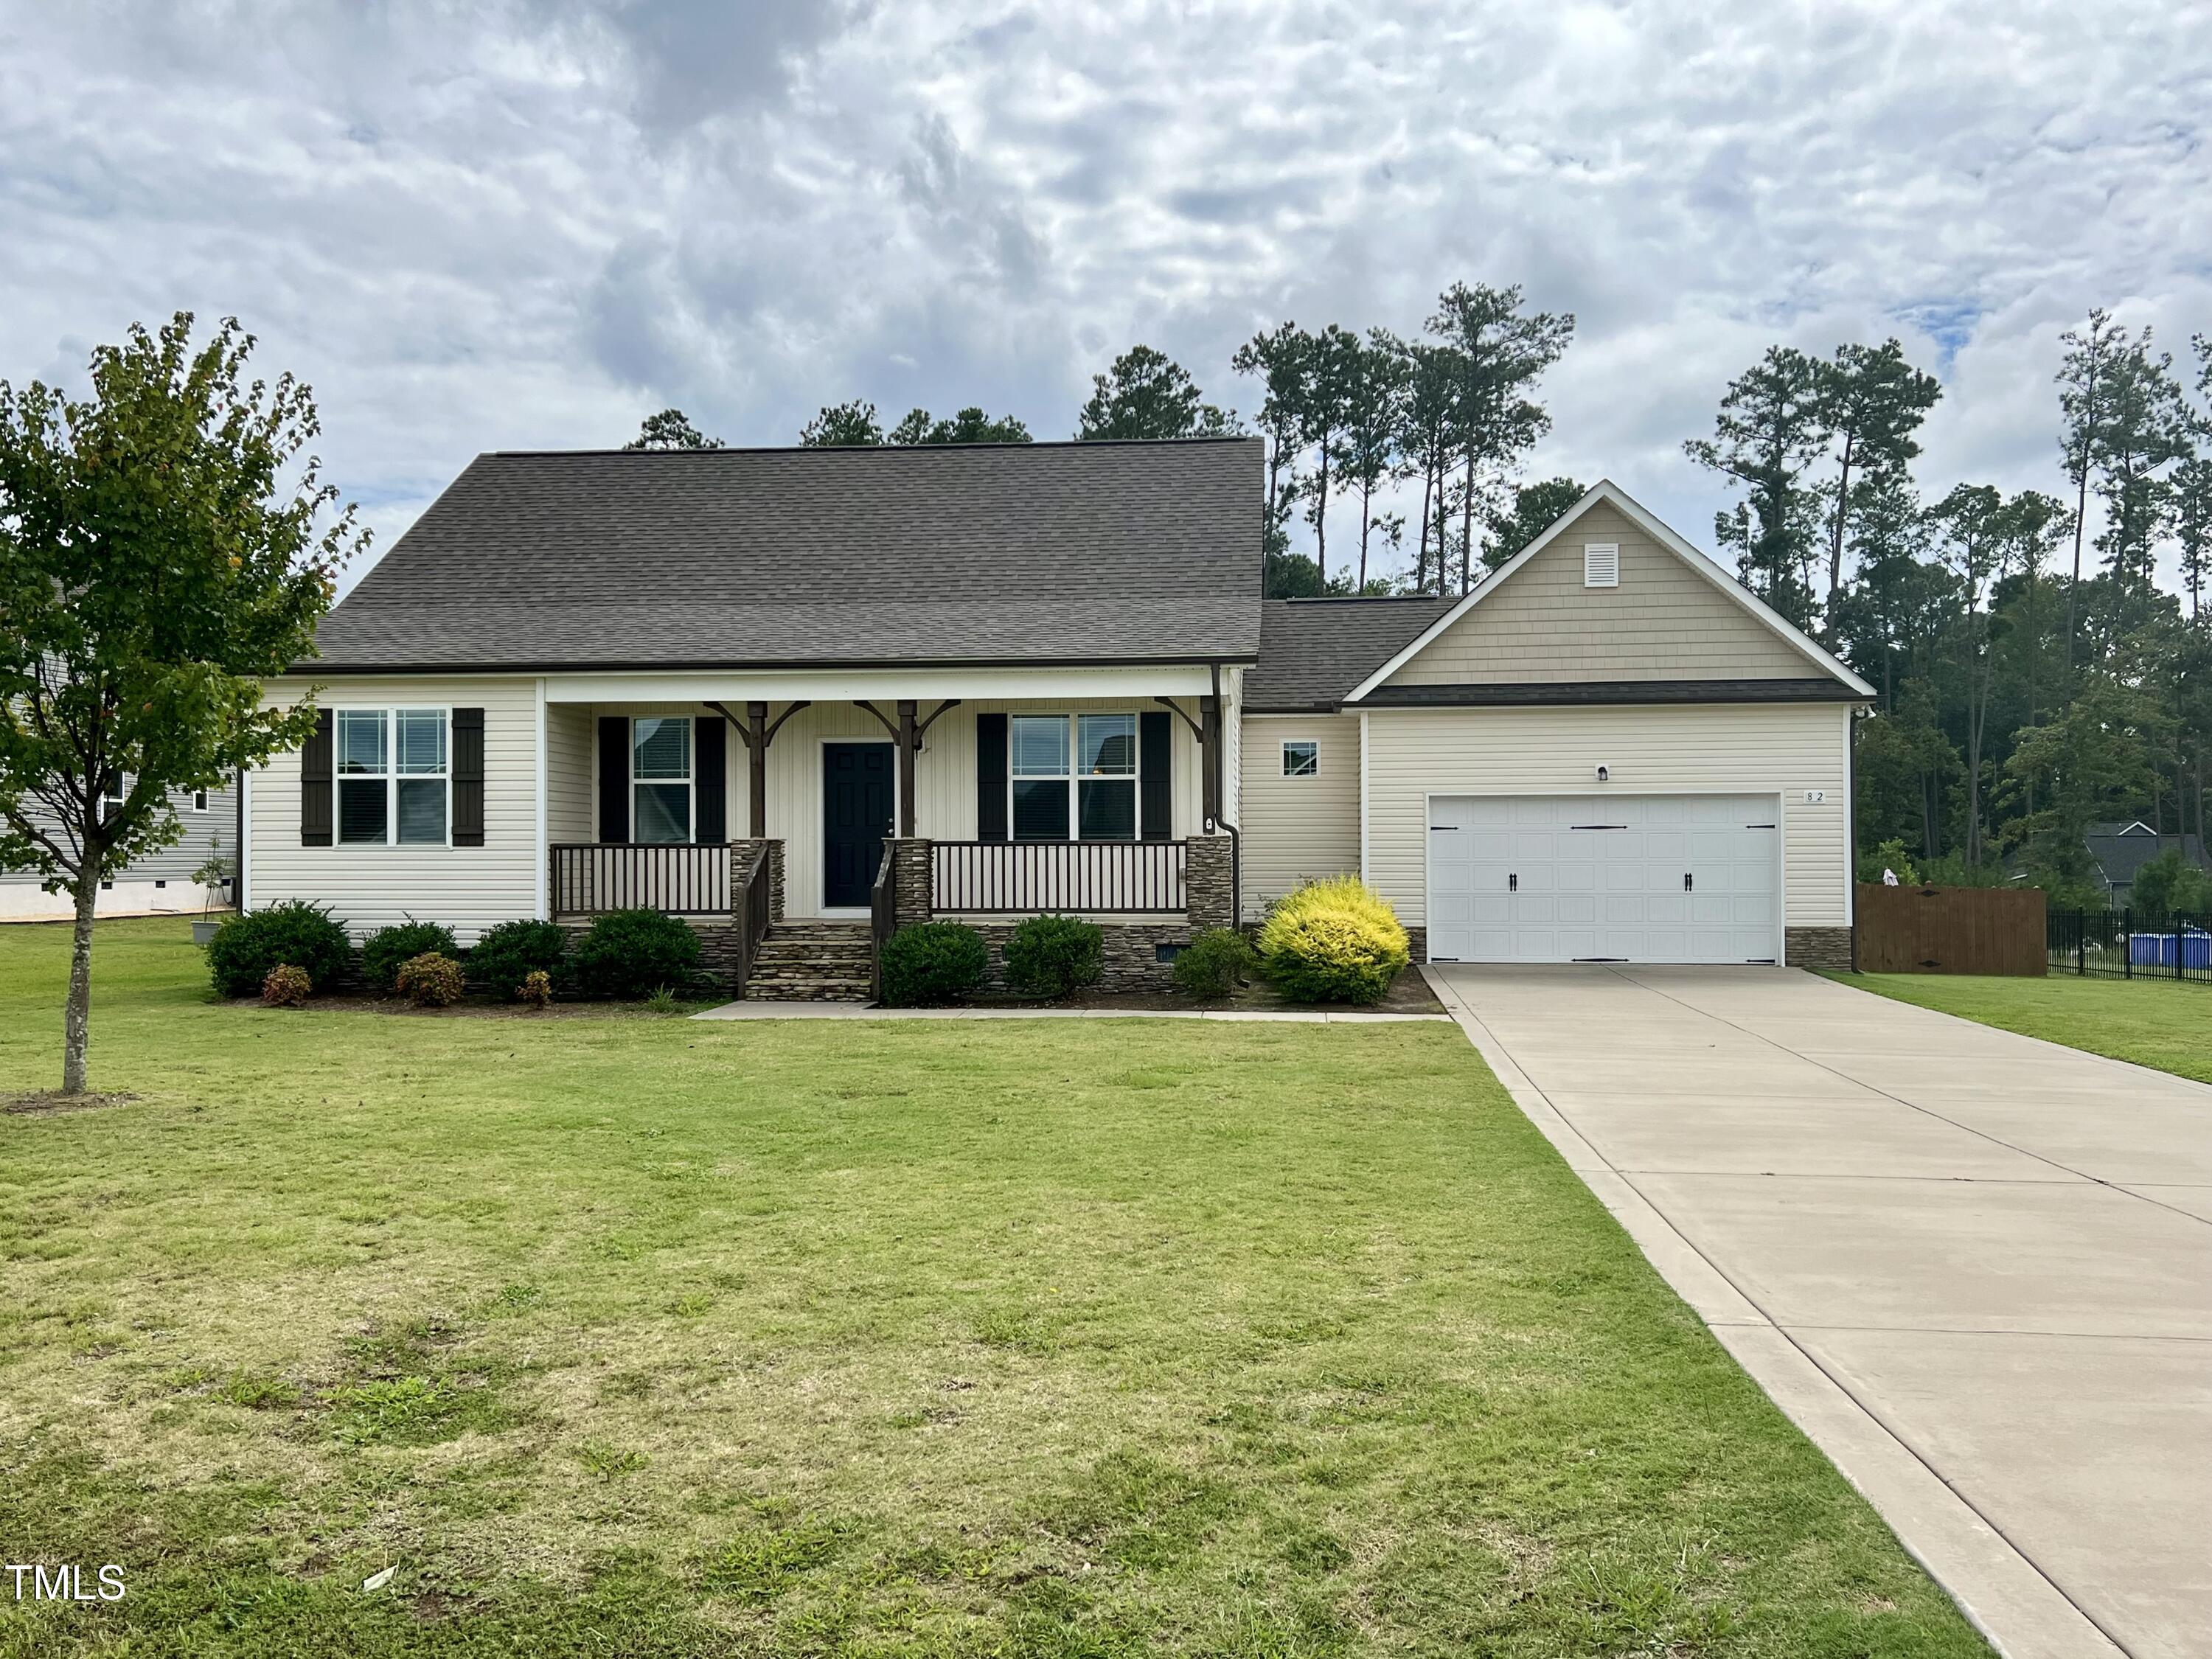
(990, 777)
(468, 777)
(614, 778)
(316, 755)
(710, 784)
(1156, 776)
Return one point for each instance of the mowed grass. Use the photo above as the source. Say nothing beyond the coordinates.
(2154, 1022)
(638, 1336)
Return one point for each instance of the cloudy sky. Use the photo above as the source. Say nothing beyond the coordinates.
(527, 225)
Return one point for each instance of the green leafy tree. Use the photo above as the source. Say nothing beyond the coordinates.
(1501, 352)
(971, 425)
(672, 428)
(1373, 385)
(1332, 379)
(2143, 431)
(1147, 394)
(1535, 508)
(162, 549)
(1871, 402)
(2090, 763)
(843, 426)
(1766, 438)
(2083, 378)
(1970, 525)
(1903, 765)
(1428, 443)
(1277, 357)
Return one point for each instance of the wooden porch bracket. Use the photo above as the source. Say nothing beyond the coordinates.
(907, 733)
(1177, 709)
(757, 732)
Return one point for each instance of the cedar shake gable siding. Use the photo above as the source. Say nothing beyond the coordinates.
(944, 554)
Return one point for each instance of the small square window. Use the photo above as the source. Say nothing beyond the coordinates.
(1601, 564)
(1301, 759)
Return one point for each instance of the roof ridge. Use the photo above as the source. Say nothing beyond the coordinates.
(875, 449)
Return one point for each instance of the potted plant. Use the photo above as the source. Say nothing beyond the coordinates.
(214, 873)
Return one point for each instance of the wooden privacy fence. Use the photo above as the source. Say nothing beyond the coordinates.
(1951, 930)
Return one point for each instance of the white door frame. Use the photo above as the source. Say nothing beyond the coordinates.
(1781, 797)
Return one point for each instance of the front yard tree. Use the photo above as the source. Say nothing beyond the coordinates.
(163, 545)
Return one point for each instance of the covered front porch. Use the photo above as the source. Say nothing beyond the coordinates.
(878, 800)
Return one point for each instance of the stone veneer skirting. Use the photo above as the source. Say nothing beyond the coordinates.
(1829, 948)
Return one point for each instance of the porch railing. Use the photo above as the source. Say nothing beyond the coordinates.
(988, 877)
(752, 913)
(684, 878)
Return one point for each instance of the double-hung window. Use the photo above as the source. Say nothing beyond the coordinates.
(1074, 777)
(661, 779)
(394, 778)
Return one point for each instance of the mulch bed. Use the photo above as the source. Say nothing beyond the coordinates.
(1409, 993)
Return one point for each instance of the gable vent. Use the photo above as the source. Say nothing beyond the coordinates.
(1601, 564)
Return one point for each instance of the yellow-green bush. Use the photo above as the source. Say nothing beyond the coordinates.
(1333, 941)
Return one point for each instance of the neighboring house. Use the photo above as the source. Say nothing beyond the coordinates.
(2120, 849)
(1043, 675)
(158, 885)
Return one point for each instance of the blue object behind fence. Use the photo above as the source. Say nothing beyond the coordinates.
(2156, 949)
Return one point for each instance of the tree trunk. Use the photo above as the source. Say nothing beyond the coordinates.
(2074, 589)
(1421, 548)
(1467, 526)
(1836, 540)
(76, 1020)
(1366, 502)
(1321, 514)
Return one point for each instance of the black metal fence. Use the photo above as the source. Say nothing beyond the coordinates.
(2130, 945)
(684, 878)
(1024, 878)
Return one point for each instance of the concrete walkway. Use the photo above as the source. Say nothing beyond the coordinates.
(1975, 1268)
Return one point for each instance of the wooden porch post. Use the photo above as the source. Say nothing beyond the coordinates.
(909, 740)
(1209, 738)
(757, 770)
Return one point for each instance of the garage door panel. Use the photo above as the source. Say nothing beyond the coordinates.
(1534, 879)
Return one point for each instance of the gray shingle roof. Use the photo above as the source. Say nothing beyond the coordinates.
(1103, 552)
(2120, 855)
(1314, 652)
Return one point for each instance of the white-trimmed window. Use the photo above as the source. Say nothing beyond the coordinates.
(1301, 757)
(111, 798)
(1601, 564)
(661, 779)
(394, 779)
(199, 800)
(1073, 777)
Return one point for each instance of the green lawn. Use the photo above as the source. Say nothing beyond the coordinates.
(631, 1335)
(2152, 1023)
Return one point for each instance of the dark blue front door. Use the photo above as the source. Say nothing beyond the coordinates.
(856, 816)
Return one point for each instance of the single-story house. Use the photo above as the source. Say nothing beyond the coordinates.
(2119, 848)
(164, 882)
(805, 695)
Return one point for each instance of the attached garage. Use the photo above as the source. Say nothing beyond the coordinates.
(1609, 751)
(1604, 877)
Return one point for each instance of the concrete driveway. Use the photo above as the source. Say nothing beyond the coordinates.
(1975, 1268)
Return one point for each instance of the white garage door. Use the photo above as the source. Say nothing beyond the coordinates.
(1604, 877)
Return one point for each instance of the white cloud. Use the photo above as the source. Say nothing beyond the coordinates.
(529, 225)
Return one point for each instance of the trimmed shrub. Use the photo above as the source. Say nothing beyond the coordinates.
(431, 980)
(632, 953)
(505, 957)
(1334, 941)
(1212, 965)
(1055, 956)
(933, 962)
(287, 987)
(383, 951)
(296, 933)
(537, 988)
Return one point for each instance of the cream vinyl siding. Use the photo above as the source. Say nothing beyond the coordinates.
(467, 888)
(1721, 749)
(1662, 622)
(571, 796)
(944, 773)
(1297, 829)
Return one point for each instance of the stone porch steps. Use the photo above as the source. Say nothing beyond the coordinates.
(812, 962)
